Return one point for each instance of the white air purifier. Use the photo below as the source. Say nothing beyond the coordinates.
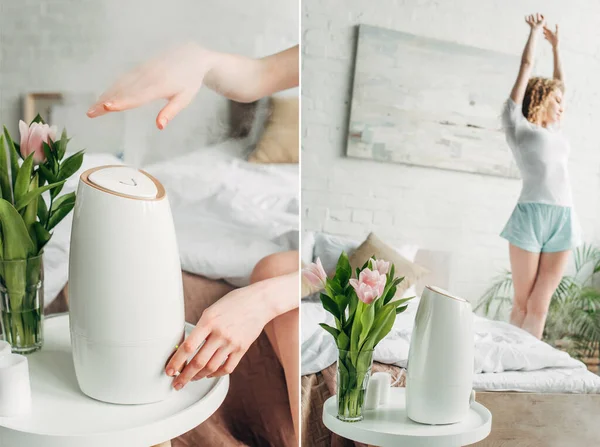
(439, 379)
(125, 286)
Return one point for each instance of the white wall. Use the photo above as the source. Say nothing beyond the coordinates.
(81, 46)
(441, 210)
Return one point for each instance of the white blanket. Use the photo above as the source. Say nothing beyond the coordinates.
(228, 213)
(499, 346)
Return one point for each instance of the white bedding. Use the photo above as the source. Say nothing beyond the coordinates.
(506, 357)
(228, 213)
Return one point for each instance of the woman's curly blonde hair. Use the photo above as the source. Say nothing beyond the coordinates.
(536, 95)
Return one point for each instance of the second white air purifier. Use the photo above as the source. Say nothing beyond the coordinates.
(441, 359)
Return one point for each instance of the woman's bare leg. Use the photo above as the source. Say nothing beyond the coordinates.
(283, 331)
(524, 267)
(552, 267)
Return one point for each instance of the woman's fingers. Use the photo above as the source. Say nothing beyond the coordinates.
(187, 348)
(199, 362)
(216, 362)
(228, 367)
(175, 105)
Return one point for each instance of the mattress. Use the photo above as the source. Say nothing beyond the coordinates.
(547, 380)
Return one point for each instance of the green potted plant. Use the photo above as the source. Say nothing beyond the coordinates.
(364, 314)
(27, 218)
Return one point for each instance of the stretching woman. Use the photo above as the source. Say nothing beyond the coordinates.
(270, 302)
(542, 229)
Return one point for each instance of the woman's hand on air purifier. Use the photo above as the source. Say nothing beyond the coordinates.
(177, 76)
(535, 21)
(229, 327)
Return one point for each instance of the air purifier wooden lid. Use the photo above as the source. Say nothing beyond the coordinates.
(124, 181)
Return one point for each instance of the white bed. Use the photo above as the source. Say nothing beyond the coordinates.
(228, 213)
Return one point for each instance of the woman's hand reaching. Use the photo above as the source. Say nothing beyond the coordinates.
(535, 21)
(177, 76)
(550, 36)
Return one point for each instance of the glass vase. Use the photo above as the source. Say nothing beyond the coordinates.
(353, 374)
(22, 303)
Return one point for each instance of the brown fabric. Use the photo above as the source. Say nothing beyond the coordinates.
(316, 389)
(280, 140)
(256, 411)
(373, 246)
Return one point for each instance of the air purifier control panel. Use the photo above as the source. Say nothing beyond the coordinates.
(126, 181)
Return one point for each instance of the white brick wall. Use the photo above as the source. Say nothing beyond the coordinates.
(83, 45)
(440, 210)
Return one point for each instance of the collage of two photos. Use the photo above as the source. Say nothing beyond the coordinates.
(449, 205)
(304, 223)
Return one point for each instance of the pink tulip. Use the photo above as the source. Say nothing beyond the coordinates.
(315, 274)
(32, 138)
(380, 265)
(369, 286)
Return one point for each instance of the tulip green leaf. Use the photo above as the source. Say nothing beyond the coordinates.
(14, 156)
(62, 145)
(23, 179)
(381, 327)
(24, 201)
(29, 213)
(343, 270)
(42, 235)
(56, 191)
(366, 321)
(400, 309)
(17, 243)
(42, 212)
(48, 174)
(342, 302)
(65, 199)
(356, 326)
(333, 331)
(71, 165)
(49, 153)
(5, 185)
(330, 306)
(332, 287)
(59, 214)
(37, 119)
(343, 342)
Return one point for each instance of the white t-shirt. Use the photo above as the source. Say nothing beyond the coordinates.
(542, 156)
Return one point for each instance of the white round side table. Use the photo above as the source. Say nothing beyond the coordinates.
(389, 426)
(62, 416)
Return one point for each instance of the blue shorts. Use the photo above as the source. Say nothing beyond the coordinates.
(538, 227)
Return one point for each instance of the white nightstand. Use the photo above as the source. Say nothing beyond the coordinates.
(389, 426)
(62, 416)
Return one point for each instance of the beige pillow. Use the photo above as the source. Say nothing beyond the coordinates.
(279, 142)
(373, 246)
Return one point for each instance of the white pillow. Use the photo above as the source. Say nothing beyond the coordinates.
(329, 248)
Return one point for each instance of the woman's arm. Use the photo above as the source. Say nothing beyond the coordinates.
(552, 37)
(230, 326)
(246, 80)
(536, 23)
(176, 76)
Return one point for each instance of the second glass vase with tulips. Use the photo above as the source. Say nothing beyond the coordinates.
(364, 312)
